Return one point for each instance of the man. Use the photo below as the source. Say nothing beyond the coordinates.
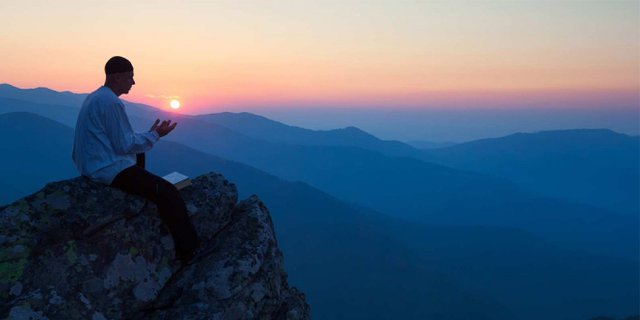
(105, 149)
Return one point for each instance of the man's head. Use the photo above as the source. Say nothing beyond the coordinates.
(119, 75)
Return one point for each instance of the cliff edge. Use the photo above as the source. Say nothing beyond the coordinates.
(80, 250)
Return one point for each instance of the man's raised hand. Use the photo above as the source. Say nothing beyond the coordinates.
(155, 125)
(163, 128)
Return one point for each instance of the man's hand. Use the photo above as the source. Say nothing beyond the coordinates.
(163, 128)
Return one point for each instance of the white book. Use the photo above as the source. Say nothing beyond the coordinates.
(178, 179)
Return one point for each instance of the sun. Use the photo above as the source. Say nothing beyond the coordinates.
(175, 104)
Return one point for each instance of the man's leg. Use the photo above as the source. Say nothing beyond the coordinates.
(171, 207)
(140, 160)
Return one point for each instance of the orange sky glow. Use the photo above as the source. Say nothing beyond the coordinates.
(226, 55)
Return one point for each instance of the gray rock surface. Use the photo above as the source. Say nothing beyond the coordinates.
(80, 250)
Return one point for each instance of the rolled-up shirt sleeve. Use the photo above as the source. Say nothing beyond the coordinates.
(122, 137)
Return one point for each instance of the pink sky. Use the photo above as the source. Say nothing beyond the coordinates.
(227, 55)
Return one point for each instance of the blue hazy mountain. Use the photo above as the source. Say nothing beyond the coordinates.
(61, 113)
(141, 116)
(589, 166)
(423, 144)
(354, 263)
(41, 95)
(460, 124)
(259, 127)
(414, 189)
(30, 156)
(598, 167)
(422, 191)
(311, 225)
(503, 265)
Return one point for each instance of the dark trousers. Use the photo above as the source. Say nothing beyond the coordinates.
(171, 207)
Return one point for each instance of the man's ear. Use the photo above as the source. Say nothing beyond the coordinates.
(112, 78)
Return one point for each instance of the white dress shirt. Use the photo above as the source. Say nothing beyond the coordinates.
(104, 143)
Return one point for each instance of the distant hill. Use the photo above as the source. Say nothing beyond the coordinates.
(45, 96)
(498, 260)
(61, 113)
(354, 263)
(597, 167)
(30, 155)
(310, 225)
(414, 189)
(42, 95)
(259, 127)
(421, 144)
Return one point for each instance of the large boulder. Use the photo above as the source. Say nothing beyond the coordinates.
(80, 250)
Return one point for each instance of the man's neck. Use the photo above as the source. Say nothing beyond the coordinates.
(112, 87)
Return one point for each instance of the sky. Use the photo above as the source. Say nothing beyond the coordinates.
(235, 55)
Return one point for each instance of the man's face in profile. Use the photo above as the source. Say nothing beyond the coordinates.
(125, 81)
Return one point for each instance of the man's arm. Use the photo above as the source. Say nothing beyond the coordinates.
(162, 131)
(123, 139)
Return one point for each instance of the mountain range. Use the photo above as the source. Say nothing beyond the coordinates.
(596, 167)
(501, 235)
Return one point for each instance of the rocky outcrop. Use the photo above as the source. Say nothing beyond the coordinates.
(79, 250)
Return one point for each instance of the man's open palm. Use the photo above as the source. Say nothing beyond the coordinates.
(163, 128)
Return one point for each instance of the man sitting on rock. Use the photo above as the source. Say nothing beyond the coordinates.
(105, 148)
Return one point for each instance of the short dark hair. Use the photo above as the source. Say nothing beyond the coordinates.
(117, 64)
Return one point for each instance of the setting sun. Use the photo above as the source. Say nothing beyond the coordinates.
(175, 104)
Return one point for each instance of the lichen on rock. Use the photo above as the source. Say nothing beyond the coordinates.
(80, 250)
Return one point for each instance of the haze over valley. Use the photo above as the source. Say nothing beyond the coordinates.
(524, 226)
